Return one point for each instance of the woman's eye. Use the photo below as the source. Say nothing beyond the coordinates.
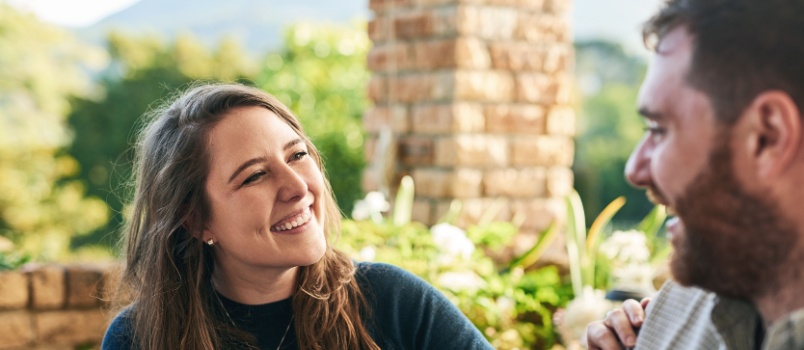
(298, 155)
(256, 176)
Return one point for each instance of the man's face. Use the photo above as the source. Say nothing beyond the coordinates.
(725, 239)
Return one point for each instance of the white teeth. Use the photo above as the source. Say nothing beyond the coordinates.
(296, 221)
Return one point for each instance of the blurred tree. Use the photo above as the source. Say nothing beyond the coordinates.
(609, 127)
(144, 71)
(40, 67)
(321, 75)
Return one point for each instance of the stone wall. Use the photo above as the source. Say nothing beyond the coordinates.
(472, 99)
(54, 307)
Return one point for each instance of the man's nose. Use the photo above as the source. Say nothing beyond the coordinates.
(637, 169)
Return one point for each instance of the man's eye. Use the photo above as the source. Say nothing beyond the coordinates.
(655, 130)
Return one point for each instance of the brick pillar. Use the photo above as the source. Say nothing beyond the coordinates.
(475, 95)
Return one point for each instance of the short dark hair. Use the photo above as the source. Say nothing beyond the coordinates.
(741, 48)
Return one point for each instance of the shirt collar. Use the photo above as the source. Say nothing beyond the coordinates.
(736, 321)
(787, 332)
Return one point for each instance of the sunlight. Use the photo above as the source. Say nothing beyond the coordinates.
(75, 13)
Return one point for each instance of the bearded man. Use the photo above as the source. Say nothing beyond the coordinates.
(724, 151)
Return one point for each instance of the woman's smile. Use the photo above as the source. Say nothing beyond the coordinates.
(294, 221)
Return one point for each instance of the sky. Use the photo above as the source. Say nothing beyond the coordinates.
(611, 19)
(72, 13)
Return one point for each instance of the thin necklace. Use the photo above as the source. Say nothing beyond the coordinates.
(231, 320)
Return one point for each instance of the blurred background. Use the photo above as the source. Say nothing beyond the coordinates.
(76, 78)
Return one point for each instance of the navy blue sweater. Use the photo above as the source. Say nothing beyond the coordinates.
(407, 313)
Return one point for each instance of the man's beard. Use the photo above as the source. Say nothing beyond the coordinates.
(735, 242)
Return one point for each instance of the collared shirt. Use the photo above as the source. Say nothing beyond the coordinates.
(690, 318)
(787, 333)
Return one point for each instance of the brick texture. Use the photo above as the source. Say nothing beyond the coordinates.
(446, 118)
(478, 96)
(395, 118)
(48, 287)
(17, 329)
(73, 327)
(515, 183)
(68, 307)
(472, 151)
(515, 119)
(13, 290)
(459, 183)
(542, 151)
(83, 286)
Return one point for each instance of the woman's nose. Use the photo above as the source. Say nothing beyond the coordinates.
(293, 185)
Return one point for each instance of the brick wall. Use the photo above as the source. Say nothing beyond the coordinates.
(475, 95)
(54, 307)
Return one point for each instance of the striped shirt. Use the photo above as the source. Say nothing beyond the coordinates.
(690, 318)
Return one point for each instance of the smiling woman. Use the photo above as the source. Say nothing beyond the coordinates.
(229, 246)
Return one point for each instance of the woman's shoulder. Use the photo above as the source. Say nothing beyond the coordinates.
(386, 276)
(411, 314)
(119, 334)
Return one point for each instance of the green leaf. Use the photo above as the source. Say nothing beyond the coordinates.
(576, 240)
(546, 237)
(593, 238)
(403, 204)
(452, 213)
(653, 222)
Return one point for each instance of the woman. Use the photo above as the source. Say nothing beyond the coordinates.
(228, 244)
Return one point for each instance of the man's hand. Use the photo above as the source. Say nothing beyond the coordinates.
(619, 328)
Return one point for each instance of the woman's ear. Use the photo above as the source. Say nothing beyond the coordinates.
(195, 227)
(775, 134)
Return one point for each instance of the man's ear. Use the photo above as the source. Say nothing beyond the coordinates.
(775, 132)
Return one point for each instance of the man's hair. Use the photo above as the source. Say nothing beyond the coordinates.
(741, 48)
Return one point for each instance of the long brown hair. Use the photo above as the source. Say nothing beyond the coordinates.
(168, 268)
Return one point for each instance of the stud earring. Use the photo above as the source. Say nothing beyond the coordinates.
(210, 242)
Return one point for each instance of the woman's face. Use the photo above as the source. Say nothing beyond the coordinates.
(265, 194)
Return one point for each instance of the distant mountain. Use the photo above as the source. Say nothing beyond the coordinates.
(258, 24)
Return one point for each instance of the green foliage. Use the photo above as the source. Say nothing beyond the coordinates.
(511, 303)
(12, 261)
(40, 67)
(321, 75)
(512, 307)
(588, 267)
(609, 127)
(144, 72)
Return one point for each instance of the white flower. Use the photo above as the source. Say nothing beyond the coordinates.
(634, 277)
(506, 305)
(626, 247)
(460, 281)
(452, 241)
(368, 253)
(590, 306)
(372, 206)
